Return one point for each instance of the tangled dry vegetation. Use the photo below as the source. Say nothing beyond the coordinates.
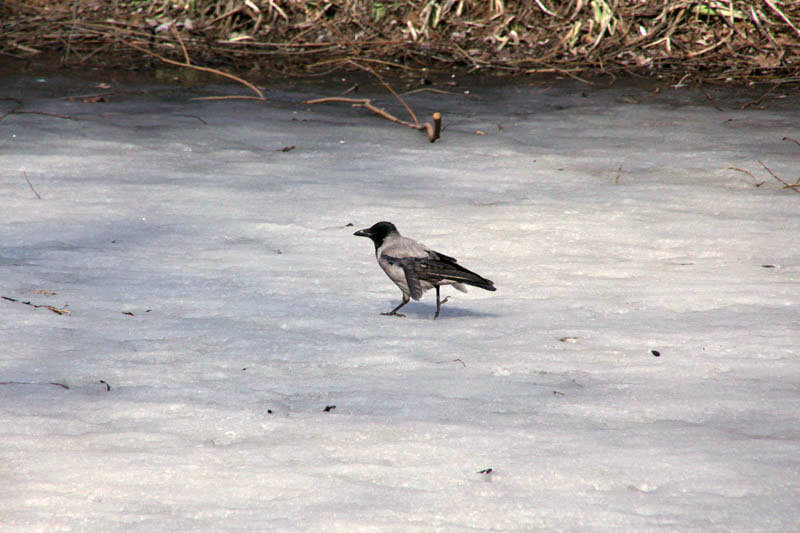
(712, 40)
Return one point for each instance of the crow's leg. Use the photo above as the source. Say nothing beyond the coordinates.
(439, 303)
(394, 312)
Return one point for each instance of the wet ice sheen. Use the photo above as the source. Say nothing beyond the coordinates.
(214, 284)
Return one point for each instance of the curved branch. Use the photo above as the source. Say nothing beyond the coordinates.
(432, 129)
(202, 69)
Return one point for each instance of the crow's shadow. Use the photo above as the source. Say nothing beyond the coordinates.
(448, 310)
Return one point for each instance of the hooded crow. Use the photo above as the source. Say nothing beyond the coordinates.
(415, 268)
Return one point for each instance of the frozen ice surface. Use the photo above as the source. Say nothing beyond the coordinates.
(214, 284)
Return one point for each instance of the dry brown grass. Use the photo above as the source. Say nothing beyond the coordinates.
(712, 40)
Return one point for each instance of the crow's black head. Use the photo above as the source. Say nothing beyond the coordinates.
(378, 232)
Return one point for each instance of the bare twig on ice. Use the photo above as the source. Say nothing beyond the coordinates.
(52, 308)
(203, 122)
(62, 385)
(229, 97)
(785, 185)
(352, 89)
(708, 96)
(790, 139)
(433, 129)
(755, 179)
(201, 69)
(432, 90)
(31, 185)
(18, 111)
(388, 88)
(757, 102)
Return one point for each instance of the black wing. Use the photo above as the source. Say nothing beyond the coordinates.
(438, 267)
(412, 279)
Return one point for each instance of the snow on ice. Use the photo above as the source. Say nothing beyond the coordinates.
(218, 303)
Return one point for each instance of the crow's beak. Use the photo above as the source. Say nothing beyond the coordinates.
(363, 233)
